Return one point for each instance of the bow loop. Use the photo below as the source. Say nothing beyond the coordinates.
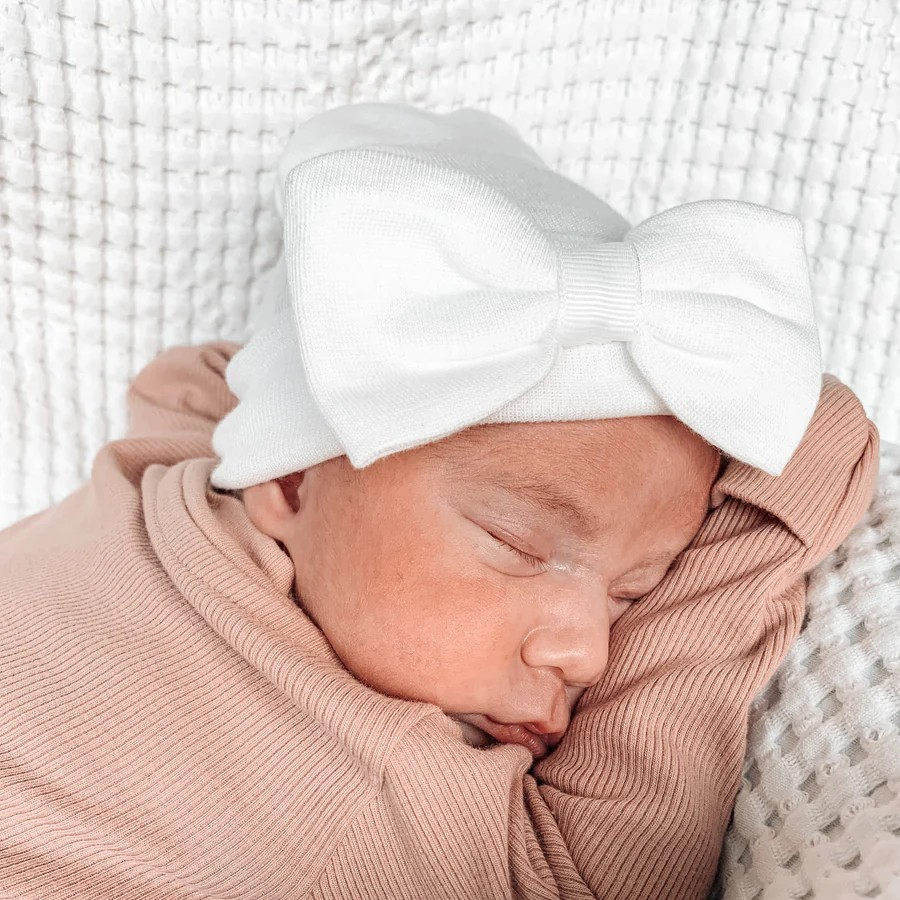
(418, 314)
(729, 340)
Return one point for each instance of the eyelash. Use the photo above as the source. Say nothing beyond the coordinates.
(536, 563)
(527, 558)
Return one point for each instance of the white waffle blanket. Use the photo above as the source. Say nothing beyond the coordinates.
(818, 812)
(138, 142)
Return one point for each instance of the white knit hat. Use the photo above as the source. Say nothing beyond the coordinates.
(436, 274)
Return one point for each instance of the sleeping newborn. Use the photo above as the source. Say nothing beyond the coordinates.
(482, 572)
(277, 696)
(333, 619)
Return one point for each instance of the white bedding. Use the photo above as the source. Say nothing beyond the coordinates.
(818, 812)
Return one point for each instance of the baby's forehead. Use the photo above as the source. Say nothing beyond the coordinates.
(524, 438)
(576, 451)
(582, 468)
(561, 484)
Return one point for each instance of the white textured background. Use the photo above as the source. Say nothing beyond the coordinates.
(138, 142)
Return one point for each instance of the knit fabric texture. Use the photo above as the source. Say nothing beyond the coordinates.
(818, 811)
(139, 144)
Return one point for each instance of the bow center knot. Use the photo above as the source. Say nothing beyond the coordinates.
(599, 288)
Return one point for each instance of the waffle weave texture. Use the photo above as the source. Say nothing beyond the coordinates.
(139, 142)
(817, 815)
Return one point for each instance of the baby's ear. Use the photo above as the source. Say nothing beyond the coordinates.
(290, 487)
(273, 504)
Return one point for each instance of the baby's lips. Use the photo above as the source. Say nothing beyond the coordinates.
(551, 740)
(525, 735)
(514, 733)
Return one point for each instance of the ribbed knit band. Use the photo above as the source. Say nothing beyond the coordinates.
(594, 309)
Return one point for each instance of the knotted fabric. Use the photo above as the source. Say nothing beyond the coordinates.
(436, 275)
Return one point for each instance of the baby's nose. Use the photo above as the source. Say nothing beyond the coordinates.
(579, 653)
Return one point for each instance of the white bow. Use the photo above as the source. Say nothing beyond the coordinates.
(424, 302)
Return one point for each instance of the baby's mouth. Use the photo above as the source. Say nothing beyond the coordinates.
(512, 734)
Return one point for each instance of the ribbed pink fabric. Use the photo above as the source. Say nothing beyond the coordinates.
(172, 725)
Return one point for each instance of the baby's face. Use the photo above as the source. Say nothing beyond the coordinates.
(483, 572)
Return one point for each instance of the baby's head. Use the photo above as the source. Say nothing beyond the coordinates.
(482, 572)
(533, 391)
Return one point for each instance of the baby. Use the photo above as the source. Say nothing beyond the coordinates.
(458, 578)
(482, 572)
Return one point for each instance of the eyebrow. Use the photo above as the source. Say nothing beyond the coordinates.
(551, 498)
(557, 502)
